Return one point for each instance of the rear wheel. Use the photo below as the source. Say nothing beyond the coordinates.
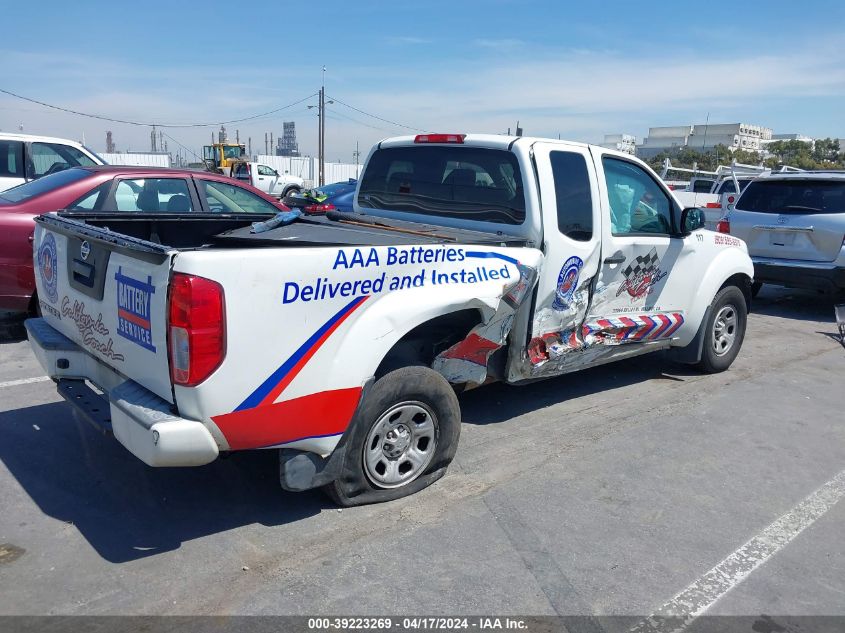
(291, 190)
(404, 436)
(724, 330)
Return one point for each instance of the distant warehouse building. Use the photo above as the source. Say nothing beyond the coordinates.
(137, 159)
(622, 142)
(704, 137)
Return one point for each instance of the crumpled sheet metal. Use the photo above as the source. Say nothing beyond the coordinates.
(467, 360)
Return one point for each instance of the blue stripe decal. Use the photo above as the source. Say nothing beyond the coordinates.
(483, 254)
(255, 398)
(299, 439)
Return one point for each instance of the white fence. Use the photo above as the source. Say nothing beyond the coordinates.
(307, 168)
(136, 160)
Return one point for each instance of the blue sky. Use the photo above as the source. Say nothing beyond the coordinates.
(575, 69)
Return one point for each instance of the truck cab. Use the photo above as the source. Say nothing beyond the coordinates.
(266, 178)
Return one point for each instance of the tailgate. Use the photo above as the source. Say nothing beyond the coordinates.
(108, 293)
(816, 238)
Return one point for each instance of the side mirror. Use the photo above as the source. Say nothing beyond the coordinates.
(692, 219)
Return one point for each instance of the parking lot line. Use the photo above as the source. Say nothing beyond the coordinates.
(23, 381)
(696, 598)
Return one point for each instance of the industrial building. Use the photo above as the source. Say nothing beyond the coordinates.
(621, 142)
(704, 137)
(286, 144)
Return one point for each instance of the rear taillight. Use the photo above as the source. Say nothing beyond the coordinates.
(713, 205)
(440, 138)
(318, 208)
(723, 226)
(196, 327)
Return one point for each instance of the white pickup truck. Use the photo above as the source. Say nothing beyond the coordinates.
(342, 339)
(267, 179)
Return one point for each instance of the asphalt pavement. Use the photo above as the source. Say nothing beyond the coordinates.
(627, 489)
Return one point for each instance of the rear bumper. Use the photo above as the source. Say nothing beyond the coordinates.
(139, 419)
(825, 277)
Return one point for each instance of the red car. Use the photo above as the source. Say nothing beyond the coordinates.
(108, 189)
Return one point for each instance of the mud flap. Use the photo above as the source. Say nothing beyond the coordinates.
(691, 354)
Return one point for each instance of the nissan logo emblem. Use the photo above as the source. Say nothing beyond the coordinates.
(85, 250)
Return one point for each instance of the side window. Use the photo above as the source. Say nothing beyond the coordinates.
(702, 186)
(91, 199)
(48, 158)
(225, 198)
(152, 195)
(11, 159)
(727, 187)
(263, 170)
(637, 203)
(574, 198)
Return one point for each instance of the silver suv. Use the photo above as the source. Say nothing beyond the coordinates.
(794, 226)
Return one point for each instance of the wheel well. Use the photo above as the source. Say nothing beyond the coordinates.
(743, 282)
(422, 344)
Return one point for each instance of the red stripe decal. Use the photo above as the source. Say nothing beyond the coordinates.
(648, 326)
(679, 321)
(280, 387)
(474, 349)
(630, 325)
(123, 314)
(666, 323)
(314, 415)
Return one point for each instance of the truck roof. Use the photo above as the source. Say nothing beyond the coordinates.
(495, 141)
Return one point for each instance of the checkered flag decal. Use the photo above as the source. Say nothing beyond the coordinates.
(644, 263)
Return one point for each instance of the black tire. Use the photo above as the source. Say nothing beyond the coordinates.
(402, 392)
(291, 190)
(755, 288)
(728, 306)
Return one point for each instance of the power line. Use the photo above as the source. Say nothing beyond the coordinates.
(374, 116)
(182, 146)
(139, 123)
(335, 115)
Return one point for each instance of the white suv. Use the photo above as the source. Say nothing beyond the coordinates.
(794, 226)
(24, 157)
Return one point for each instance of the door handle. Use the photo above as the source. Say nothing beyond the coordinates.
(616, 258)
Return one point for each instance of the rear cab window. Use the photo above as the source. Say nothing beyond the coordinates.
(454, 181)
(794, 196)
(11, 159)
(573, 194)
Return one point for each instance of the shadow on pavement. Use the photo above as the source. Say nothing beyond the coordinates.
(12, 329)
(500, 402)
(790, 303)
(127, 510)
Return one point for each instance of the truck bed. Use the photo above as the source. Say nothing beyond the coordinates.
(192, 231)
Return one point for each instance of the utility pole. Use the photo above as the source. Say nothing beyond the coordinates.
(265, 144)
(321, 150)
(357, 155)
(272, 151)
(153, 140)
(249, 145)
(323, 128)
